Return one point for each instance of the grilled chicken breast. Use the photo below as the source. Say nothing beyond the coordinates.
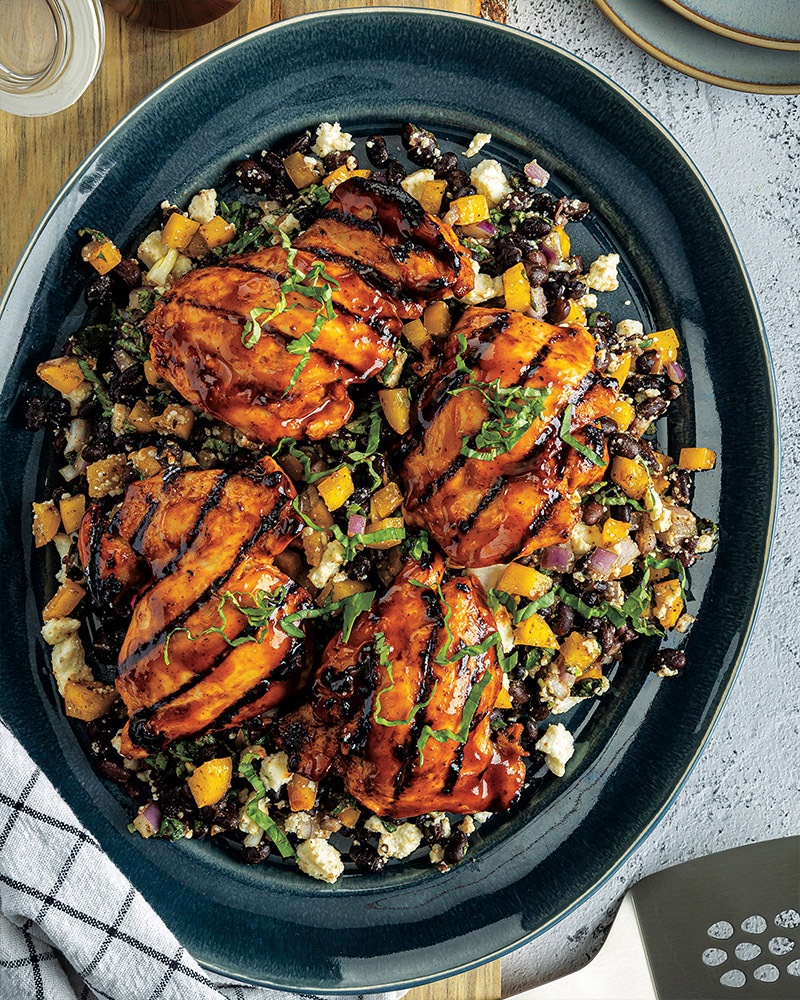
(490, 511)
(177, 545)
(396, 682)
(387, 238)
(197, 332)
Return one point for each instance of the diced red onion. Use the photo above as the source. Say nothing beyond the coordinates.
(539, 303)
(559, 684)
(675, 372)
(479, 230)
(537, 175)
(148, 822)
(601, 561)
(487, 227)
(356, 525)
(557, 557)
(627, 551)
(553, 257)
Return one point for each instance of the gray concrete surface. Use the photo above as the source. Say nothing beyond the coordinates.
(745, 786)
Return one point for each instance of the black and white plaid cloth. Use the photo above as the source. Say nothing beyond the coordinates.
(72, 927)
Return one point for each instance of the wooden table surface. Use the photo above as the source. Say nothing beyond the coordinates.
(38, 154)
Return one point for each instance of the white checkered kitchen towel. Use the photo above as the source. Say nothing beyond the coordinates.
(71, 925)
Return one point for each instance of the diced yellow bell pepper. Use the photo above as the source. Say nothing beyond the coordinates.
(576, 314)
(384, 525)
(337, 488)
(346, 588)
(517, 288)
(623, 369)
(341, 174)
(437, 319)
(665, 344)
(580, 650)
(88, 700)
(301, 173)
(152, 376)
(385, 501)
(302, 793)
(668, 602)
(416, 334)
(524, 581)
(622, 413)
(210, 781)
(697, 458)
(396, 405)
(63, 374)
(614, 531)
(432, 194)
(141, 416)
(503, 700)
(659, 574)
(46, 521)
(535, 631)
(178, 231)
(103, 256)
(64, 601)
(563, 241)
(217, 232)
(72, 510)
(660, 481)
(468, 210)
(630, 476)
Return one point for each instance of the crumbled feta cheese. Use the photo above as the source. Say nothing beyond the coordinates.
(63, 544)
(151, 249)
(489, 179)
(300, 824)
(78, 395)
(57, 629)
(666, 672)
(289, 223)
(401, 842)
(478, 141)
(588, 301)
(332, 559)
(331, 139)
(467, 826)
(317, 858)
(374, 825)
(630, 329)
(437, 854)
(506, 631)
(581, 539)
(602, 276)
(482, 817)
(274, 771)
(558, 747)
(69, 662)
(565, 704)
(486, 287)
(414, 183)
(684, 623)
(705, 543)
(246, 824)
(203, 207)
(182, 265)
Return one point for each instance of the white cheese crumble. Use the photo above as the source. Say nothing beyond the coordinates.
(467, 826)
(151, 249)
(630, 329)
(558, 747)
(332, 559)
(331, 139)
(437, 854)
(602, 276)
(400, 842)
(489, 179)
(317, 858)
(203, 207)
(57, 629)
(414, 183)
(486, 287)
(705, 543)
(300, 824)
(274, 771)
(69, 662)
(588, 301)
(581, 539)
(478, 141)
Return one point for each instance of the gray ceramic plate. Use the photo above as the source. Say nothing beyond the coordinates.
(774, 24)
(686, 46)
(374, 70)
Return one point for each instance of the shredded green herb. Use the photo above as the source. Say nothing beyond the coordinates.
(568, 438)
(351, 607)
(350, 543)
(383, 656)
(467, 715)
(256, 813)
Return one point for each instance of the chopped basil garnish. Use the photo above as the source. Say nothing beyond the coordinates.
(467, 715)
(567, 438)
(256, 813)
(383, 656)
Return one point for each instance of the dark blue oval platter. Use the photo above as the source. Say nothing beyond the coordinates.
(373, 70)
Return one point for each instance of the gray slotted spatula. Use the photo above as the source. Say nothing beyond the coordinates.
(727, 925)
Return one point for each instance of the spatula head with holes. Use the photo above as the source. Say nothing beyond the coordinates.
(727, 925)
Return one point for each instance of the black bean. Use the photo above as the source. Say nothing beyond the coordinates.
(360, 567)
(59, 443)
(395, 172)
(607, 637)
(167, 210)
(465, 192)
(535, 228)
(620, 512)
(626, 633)
(646, 452)
(576, 260)
(672, 659)
(681, 486)
(94, 452)
(607, 425)
(536, 276)
(252, 176)
(366, 858)
(645, 362)
(652, 408)
(543, 203)
(35, 414)
(575, 290)
(624, 445)
(562, 619)
(114, 772)
(519, 693)
(100, 291)
(127, 385)
(456, 180)
(456, 848)
(602, 325)
(253, 855)
(299, 144)
(672, 391)
(558, 311)
(592, 512)
(377, 153)
(170, 452)
(516, 201)
(129, 273)
(505, 258)
(339, 158)
(421, 145)
(446, 164)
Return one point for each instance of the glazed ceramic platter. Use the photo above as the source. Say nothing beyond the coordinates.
(687, 45)
(374, 70)
(775, 24)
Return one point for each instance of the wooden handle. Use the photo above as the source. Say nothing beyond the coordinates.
(495, 10)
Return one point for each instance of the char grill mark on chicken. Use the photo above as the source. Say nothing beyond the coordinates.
(378, 717)
(384, 234)
(490, 511)
(388, 258)
(179, 542)
(196, 345)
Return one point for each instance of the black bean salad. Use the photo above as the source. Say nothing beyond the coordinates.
(488, 479)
